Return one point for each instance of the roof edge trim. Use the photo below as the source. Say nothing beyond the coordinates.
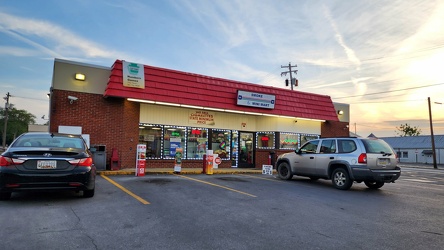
(81, 64)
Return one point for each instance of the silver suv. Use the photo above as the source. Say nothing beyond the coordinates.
(343, 160)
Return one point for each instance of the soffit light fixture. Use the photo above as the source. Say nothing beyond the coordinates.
(340, 112)
(80, 77)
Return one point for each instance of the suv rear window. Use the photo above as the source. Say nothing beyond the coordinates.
(376, 146)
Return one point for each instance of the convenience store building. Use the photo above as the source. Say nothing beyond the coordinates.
(127, 104)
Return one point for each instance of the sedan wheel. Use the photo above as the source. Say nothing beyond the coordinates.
(284, 171)
(341, 179)
(374, 184)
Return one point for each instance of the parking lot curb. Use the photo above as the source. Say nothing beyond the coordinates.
(183, 171)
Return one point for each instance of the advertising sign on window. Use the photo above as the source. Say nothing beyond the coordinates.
(201, 117)
(174, 145)
(133, 75)
(178, 160)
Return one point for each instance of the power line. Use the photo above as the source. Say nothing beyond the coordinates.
(394, 57)
(309, 64)
(391, 91)
(388, 101)
(29, 98)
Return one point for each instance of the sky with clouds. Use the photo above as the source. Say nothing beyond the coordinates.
(384, 58)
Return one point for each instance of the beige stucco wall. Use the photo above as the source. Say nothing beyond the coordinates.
(95, 82)
(179, 116)
(344, 107)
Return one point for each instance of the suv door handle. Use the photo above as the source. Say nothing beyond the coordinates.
(311, 157)
(331, 158)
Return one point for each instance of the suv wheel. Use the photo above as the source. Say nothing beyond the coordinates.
(341, 179)
(284, 171)
(374, 184)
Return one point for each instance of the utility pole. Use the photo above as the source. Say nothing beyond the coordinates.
(6, 119)
(292, 82)
(431, 133)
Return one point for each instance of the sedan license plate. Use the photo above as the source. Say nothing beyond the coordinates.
(383, 161)
(46, 164)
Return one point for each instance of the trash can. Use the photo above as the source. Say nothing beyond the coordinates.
(99, 156)
(272, 157)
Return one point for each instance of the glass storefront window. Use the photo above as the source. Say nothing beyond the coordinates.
(174, 137)
(151, 135)
(220, 143)
(305, 138)
(162, 140)
(234, 148)
(197, 143)
(289, 141)
(265, 139)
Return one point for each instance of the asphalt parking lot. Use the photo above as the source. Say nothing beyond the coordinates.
(228, 211)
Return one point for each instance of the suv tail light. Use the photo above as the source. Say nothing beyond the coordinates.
(84, 162)
(362, 158)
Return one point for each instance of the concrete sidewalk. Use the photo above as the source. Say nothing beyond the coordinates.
(420, 165)
(148, 171)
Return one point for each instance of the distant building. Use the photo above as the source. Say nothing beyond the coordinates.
(38, 128)
(417, 149)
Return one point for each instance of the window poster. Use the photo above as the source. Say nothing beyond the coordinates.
(178, 160)
(174, 144)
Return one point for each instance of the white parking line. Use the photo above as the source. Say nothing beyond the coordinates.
(418, 180)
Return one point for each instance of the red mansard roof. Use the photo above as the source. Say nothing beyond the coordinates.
(166, 85)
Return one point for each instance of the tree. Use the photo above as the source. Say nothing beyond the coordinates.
(407, 130)
(18, 121)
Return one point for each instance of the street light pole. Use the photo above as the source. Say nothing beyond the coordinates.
(431, 133)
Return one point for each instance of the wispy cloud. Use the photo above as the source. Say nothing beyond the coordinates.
(339, 38)
(18, 51)
(221, 19)
(64, 43)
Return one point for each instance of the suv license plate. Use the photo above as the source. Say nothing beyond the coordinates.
(383, 161)
(46, 164)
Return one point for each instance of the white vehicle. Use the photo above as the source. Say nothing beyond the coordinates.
(342, 160)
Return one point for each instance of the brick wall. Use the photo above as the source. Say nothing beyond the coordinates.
(335, 129)
(112, 122)
(261, 157)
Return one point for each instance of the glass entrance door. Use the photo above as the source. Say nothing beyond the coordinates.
(246, 150)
